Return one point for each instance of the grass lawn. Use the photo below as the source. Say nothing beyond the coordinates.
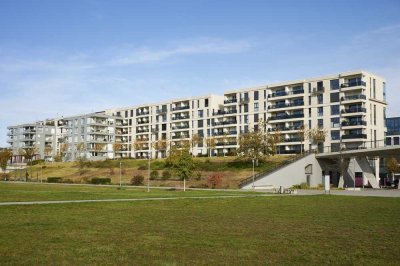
(236, 231)
(10, 192)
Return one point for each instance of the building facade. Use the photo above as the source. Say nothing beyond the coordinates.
(349, 107)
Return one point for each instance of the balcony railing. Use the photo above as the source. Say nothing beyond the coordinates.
(161, 111)
(143, 122)
(222, 112)
(180, 137)
(354, 97)
(177, 108)
(224, 123)
(230, 101)
(354, 136)
(180, 127)
(244, 100)
(142, 130)
(285, 105)
(225, 144)
(142, 113)
(283, 128)
(354, 110)
(353, 84)
(285, 93)
(180, 117)
(287, 116)
(353, 123)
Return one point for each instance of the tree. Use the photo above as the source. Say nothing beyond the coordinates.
(317, 135)
(80, 147)
(392, 166)
(194, 141)
(28, 154)
(182, 163)
(303, 134)
(211, 144)
(116, 148)
(273, 140)
(254, 145)
(5, 156)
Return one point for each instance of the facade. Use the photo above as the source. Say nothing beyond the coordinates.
(393, 131)
(349, 106)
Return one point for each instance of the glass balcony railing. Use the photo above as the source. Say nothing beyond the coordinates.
(285, 93)
(225, 112)
(353, 84)
(287, 116)
(353, 123)
(354, 110)
(354, 97)
(230, 101)
(354, 136)
(285, 105)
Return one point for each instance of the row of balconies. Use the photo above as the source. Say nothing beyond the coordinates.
(281, 117)
(221, 133)
(354, 110)
(225, 112)
(177, 108)
(286, 105)
(220, 123)
(285, 93)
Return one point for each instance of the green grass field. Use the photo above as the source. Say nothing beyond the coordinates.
(236, 231)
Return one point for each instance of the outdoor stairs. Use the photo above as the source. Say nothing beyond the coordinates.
(263, 174)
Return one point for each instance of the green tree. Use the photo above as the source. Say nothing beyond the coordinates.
(317, 135)
(181, 163)
(254, 145)
(392, 166)
(28, 154)
(5, 155)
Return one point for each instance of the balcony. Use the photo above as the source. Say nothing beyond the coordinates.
(142, 113)
(181, 117)
(354, 110)
(285, 93)
(224, 123)
(292, 140)
(180, 137)
(142, 130)
(287, 117)
(353, 123)
(234, 100)
(354, 136)
(354, 97)
(244, 100)
(222, 112)
(141, 122)
(180, 127)
(353, 84)
(225, 144)
(177, 108)
(161, 111)
(277, 106)
(283, 129)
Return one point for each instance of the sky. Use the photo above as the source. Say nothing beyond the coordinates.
(60, 58)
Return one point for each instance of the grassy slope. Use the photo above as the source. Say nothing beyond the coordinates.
(233, 171)
(251, 231)
(36, 192)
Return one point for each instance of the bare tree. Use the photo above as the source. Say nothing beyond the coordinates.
(303, 134)
(211, 144)
(194, 141)
(5, 156)
(318, 135)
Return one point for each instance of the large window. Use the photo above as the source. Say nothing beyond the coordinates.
(335, 122)
(335, 110)
(320, 111)
(335, 135)
(320, 98)
(334, 84)
(256, 95)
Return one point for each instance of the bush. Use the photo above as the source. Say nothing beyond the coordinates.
(35, 162)
(137, 180)
(198, 175)
(54, 179)
(301, 186)
(166, 174)
(214, 180)
(100, 180)
(153, 175)
(142, 167)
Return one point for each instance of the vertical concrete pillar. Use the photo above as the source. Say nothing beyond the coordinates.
(377, 161)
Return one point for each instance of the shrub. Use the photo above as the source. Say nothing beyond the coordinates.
(166, 174)
(142, 167)
(111, 172)
(198, 175)
(214, 180)
(54, 179)
(35, 162)
(154, 174)
(137, 180)
(100, 180)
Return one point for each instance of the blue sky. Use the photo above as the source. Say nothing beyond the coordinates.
(70, 57)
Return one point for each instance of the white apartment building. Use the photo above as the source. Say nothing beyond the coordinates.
(350, 106)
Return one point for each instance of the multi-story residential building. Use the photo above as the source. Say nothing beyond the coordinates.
(393, 131)
(349, 107)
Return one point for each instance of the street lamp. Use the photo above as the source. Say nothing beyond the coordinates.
(120, 174)
(253, 160)
(148, 178)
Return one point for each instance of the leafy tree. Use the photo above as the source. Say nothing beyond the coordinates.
(392, 166)
(273, 140)
(79, 148)
(194, 142)
(116, 148)
(254, 145)
(211, 144)
(317, 135)
(5, 155)
(181, 162)
(28, 154)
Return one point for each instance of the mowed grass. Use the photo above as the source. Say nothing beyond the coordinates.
(11, 192)
(292, 230)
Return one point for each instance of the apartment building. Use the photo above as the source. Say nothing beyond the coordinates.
(349, 106)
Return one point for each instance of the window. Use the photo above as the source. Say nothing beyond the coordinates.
(320, 123)
(255, 118)
(374, 88)
(396, 141)
(255, 107)
(265, 94)
(309, 87)
(246, 108)
(388, 141)
(256, 95)
(335, 97)
(131, 113)
(309, 112)
(200, 113)
(374, 114)
(320, 98)
(320, 111)
(206, 103)
(309, 124)
(335, 122)
(384, 91)
(246, 119)
(335, 110)
(334, 84)
(309, 100)
(335, 135)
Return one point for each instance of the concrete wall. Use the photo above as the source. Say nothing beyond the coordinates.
(292, 174)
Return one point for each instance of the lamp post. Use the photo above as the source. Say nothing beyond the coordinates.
(148, 178)
(41, 173)
(120, 173)
(253, 160)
